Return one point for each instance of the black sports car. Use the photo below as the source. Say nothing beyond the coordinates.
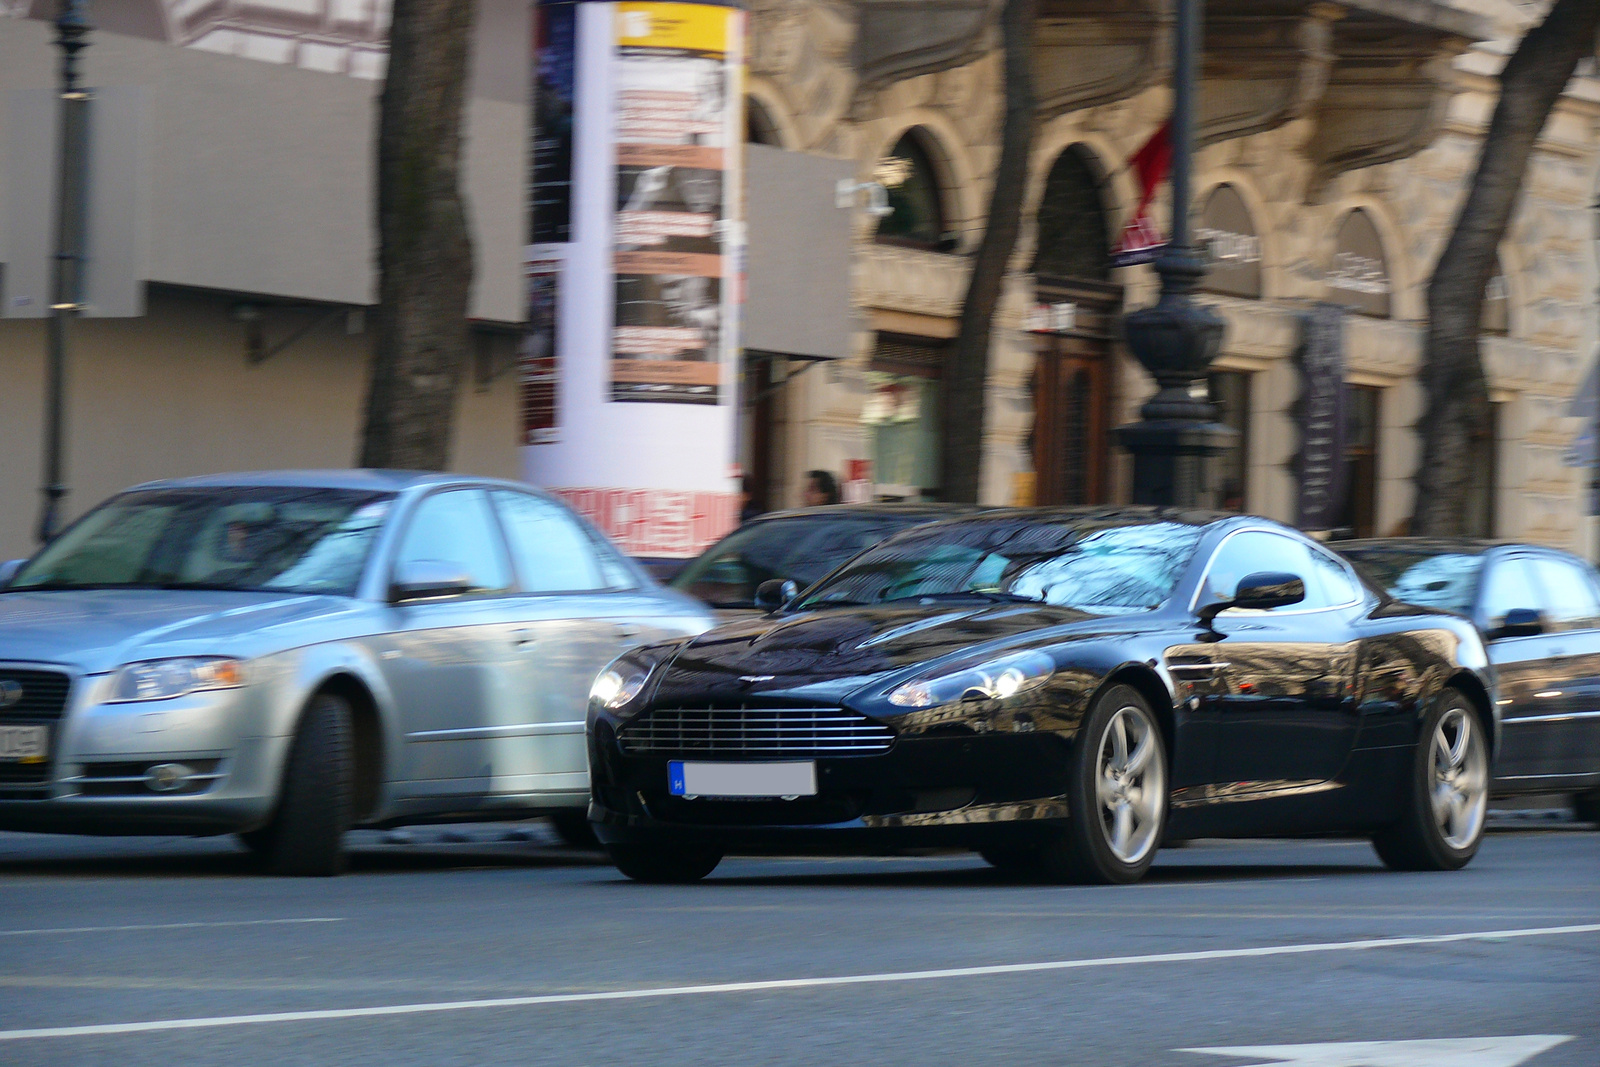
(1539, 612)
(1061, 690)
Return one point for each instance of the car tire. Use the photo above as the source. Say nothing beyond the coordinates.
(1586, 806)
(1447, 792)
(1117, 790)
(664, 866)
(573, 828)
(306, 835)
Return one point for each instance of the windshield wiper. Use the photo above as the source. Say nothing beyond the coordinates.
(969, 594)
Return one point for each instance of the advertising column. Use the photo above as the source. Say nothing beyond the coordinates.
(634, 265)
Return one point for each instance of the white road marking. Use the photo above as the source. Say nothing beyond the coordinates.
(161, 926)
(101, 1029)
(1451, 1052)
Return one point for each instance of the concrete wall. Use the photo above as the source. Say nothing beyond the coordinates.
(171, 394)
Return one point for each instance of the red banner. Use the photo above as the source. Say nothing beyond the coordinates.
(657, 522)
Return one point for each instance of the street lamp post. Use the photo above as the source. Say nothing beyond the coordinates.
(1176, 339)
(66, 291)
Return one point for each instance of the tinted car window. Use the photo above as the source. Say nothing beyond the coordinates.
(1105, 571)
(551, 551)
(1569, 596)
(1337, 584)
(289, 538)
(803, 548)
(1507, 584)
(457, 528)
(1258, 551)
(1447, 580)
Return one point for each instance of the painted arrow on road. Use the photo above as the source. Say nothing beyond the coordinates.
(1449, 1052)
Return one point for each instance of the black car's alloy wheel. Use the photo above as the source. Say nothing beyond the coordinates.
(663, 865)
(306, 834)
(1118, 793)
(1448, 794)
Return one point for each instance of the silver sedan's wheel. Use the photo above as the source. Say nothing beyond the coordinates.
(1460, 778)
(1131, 784)
(1440, 824)
(1118, 794)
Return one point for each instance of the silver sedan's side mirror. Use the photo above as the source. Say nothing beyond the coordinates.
(8, 571)
(426, 579)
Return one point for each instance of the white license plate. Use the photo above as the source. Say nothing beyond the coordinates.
(686, 779)
(24, 744)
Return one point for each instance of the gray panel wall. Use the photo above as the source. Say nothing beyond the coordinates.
(798, 297)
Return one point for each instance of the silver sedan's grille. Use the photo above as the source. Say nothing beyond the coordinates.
(755, 732)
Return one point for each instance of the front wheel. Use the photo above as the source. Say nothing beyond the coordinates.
(664, 866)
(1118, 794)
(306, 834)
(1447, 798)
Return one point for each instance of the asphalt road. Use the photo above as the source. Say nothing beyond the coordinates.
(1225, 946)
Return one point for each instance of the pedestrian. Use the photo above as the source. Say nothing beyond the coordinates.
(747, 499)
(821, 488)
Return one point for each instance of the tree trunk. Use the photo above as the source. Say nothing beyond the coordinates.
(1453, 375)
(424, 251)
(967, 366)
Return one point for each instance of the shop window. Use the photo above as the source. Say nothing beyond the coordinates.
(902, 416)
(1482, 490)
(916, 210)
(1362, 407)
(1074, 239)
(1359, 277)
(1496, 318)
(1230, 393)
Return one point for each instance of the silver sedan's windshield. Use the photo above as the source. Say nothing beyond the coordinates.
(1098, 569)
(249, 538)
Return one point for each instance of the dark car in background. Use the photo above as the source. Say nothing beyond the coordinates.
(800, 545)
(1539, 612)
(1060, 689)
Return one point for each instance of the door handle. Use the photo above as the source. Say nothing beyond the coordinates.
(523, 639)
(627, 630)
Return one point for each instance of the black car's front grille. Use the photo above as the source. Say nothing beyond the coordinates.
(29, 697)
(762, 732)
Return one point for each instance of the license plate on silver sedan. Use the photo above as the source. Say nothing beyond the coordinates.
(24, 744)
(761, 780)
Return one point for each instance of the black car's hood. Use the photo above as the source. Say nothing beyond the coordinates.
(827, 653)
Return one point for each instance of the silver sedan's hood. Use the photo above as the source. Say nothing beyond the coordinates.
(97, 630)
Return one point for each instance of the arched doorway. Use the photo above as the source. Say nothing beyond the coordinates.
(1073, 380)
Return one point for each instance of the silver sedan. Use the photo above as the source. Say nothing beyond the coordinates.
(286, 655)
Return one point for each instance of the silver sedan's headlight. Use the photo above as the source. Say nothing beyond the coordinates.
(995, 680)
(163, 679)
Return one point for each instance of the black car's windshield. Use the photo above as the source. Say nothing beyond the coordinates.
(271, 538)
(803, 548)
(1428, 578)
(1104, 570)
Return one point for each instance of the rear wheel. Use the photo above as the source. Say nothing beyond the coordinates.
(654, 864)
(1118, 793)
(306, 834)
(574, 830)
(1448, 794)
(1586, 806)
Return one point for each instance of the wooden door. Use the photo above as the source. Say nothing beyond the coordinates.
(1071, 421)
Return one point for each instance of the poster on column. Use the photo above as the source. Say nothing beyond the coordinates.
(678, 97)
(537, 376)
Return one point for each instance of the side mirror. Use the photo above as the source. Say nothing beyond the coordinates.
(1259, 592)
(774, 593)
(1520, 622)
(424, 579)
(8, 571)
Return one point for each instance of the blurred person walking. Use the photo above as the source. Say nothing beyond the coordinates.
(821, 488)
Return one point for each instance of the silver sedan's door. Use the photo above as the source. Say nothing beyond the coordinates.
(450, 660)
(568, 628)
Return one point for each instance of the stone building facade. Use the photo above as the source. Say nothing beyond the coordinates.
(1337, 142)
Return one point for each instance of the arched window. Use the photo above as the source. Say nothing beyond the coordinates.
(916, 209)
(759, 127)
(1074, 241)
(1227, 237)
(1359, 278)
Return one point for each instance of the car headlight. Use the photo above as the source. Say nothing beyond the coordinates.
(620, 683)
(163, 679)
(996, 679)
